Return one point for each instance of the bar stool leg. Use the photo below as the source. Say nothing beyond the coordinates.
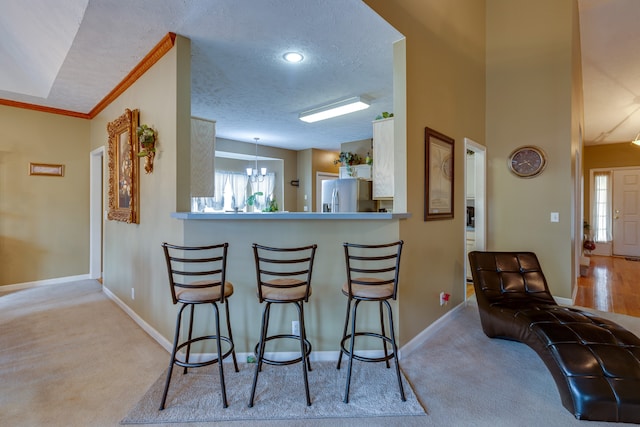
(303, 348)
(233, 353)
(344, 331)
(189, 339)
(219, 349)
(176, 336)
(261, 345)
(384, 342)
(351, 346)
(395, 351)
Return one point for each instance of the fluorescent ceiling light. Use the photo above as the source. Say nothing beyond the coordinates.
(333, 110)
(636, 140)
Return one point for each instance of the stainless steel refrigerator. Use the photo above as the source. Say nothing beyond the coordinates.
(347, 195)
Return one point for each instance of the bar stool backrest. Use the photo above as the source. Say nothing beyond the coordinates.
(275, 264)
(373, 265)
(196, 267)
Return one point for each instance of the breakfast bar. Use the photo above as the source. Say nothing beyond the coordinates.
(325, 312)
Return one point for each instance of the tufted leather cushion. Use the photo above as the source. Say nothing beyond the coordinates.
(594, 361)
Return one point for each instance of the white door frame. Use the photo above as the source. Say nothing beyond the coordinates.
(96, 186)
(480, 202)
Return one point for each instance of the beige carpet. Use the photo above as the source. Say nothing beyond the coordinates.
(195, 397)
(70, 357)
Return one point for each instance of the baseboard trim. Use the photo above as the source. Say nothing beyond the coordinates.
(153, 333)
(47, 282)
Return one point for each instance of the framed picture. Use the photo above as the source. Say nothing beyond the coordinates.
(124, 193)
(438, 202)
(46, 169)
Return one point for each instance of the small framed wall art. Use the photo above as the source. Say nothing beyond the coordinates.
(46, 169)
(438, 201)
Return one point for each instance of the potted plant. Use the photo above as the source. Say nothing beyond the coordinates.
(588, 244)
(147, 141)
(347, 158)
(251, 200)
(384, 115)
(272, 205)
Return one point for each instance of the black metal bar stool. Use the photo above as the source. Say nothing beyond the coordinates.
(197, 275)
(283, 277)
(372, 275)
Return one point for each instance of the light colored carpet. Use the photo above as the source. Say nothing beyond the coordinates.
(70, 357)
(195, 397)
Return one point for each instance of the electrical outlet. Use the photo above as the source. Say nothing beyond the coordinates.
(295, 327)
(133, 293)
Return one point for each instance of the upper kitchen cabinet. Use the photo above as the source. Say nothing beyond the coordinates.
(356, 171)
(383, 147)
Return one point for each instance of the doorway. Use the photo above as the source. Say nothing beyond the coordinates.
(96, 186)
(475, 231)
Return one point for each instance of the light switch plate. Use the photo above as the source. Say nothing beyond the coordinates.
(555, 217)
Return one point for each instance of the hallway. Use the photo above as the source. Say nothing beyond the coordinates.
(611, 285)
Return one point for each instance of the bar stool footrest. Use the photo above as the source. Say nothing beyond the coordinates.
(307, 350)
(346, 352)
(204, 362)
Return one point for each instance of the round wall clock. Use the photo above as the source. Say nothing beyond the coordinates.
(527, 162)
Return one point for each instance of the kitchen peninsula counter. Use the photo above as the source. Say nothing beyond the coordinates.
(289, 215)
(326, 308)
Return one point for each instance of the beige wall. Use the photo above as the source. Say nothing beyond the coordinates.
(606, 156)
(530, 78)
(132, 253)
(445, 90)
(44, 221)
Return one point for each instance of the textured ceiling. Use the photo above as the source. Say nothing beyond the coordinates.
(239, 78)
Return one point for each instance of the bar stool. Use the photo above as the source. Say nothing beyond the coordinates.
(283, 277)
(197, 275)
(372, 275)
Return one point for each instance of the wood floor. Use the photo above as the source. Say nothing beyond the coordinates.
(612, 284)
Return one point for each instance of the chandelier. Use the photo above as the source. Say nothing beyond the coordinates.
(253, 173)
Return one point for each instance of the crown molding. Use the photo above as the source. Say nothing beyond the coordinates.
(158, 51)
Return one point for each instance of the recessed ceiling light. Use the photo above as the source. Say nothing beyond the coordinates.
(293, 57)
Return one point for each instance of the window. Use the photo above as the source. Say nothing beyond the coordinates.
(232, 190)
(602, 206)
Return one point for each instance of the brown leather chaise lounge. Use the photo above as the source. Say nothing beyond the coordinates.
(594, 361)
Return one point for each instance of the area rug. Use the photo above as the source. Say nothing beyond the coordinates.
(195, 397)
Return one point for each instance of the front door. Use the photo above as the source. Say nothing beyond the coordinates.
(626, 212)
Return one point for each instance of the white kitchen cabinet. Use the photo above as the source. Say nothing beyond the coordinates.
(383, 148)
(357, 171)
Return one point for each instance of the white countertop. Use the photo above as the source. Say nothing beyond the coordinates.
(289, 215)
